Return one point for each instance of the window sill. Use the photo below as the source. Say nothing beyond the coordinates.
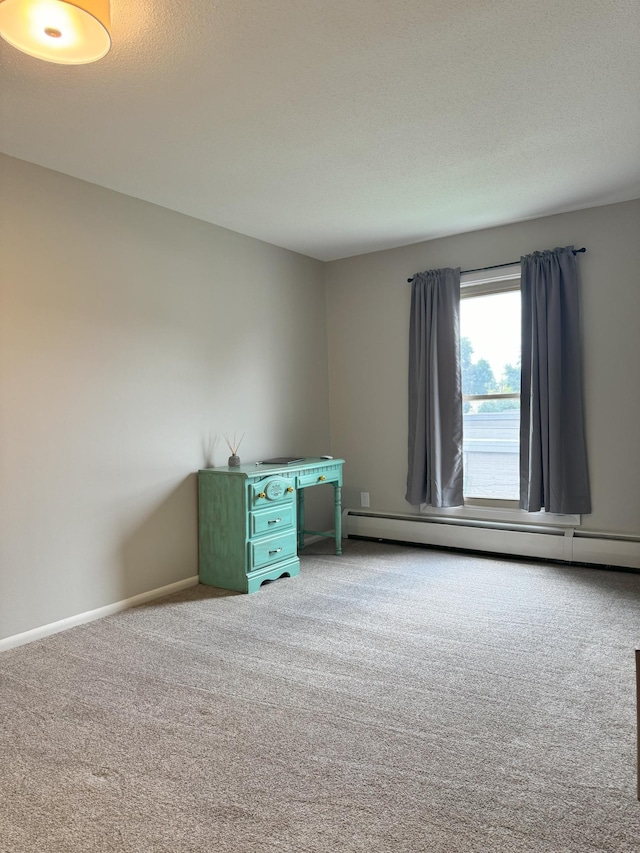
(501, 515)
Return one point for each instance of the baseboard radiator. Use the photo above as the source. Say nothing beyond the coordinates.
(569, 545)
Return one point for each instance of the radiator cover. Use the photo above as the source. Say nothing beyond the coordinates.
(546, 542)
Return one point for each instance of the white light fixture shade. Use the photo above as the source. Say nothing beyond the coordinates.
(69, 32)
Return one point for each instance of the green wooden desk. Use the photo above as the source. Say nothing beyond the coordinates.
(251, 520)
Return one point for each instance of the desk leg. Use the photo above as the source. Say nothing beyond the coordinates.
(337, 517)
(300, 519)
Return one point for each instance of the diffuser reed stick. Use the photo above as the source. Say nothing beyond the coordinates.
(234, 446)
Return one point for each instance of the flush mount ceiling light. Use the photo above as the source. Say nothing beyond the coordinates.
(69, 32)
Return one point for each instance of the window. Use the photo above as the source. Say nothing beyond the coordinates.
(490, 354)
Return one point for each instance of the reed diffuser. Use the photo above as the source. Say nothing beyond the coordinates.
(234, 446)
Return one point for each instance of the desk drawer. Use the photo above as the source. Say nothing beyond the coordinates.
(271, 550)
(271, 520)
(271, 490)
(331, 475)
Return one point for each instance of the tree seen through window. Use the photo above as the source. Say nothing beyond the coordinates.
(478, 378)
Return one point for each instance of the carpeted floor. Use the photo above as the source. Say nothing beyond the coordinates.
(394, 700)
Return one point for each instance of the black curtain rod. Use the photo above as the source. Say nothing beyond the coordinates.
(498, 266)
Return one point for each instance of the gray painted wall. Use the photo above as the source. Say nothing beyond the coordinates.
(368, 302)
(129, 335)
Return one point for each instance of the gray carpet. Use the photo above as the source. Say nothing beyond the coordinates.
(394, 699)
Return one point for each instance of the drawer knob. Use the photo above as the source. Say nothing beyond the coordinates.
(262, 495)
(322, 477)
(277, 551)
(290, 488)
(274, 520)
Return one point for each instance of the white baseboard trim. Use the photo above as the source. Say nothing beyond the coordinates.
(561, 544)
(92, 615)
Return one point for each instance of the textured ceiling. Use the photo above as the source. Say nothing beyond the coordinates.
(344, 126)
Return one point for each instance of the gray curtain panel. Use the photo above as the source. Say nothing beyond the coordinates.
(435, 390)
(553, 455)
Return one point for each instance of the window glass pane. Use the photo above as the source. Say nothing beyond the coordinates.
(491, 445)
(490, 343)
(490, 351)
